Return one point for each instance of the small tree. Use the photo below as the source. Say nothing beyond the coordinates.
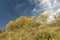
(10, 24)
(43, 17)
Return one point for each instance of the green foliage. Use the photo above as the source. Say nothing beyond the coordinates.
(28, 28)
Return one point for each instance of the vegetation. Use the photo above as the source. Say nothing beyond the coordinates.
(31, 28)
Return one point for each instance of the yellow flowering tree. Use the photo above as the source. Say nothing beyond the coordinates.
(10, 24)
(20, 19)
(29, 21)
(43, 17)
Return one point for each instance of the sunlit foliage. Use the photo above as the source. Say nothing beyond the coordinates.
(10, 24)
(31, 28)
(43, 17)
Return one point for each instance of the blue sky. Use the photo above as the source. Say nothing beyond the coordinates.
(10, 10)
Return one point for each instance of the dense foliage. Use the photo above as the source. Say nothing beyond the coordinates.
(31, 28)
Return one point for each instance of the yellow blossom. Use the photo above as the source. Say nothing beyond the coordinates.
(10, 24)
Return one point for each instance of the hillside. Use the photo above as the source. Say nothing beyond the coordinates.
(31, 28)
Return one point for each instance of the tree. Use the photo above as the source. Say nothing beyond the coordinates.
(43, 17)
(56, 21)
(10, 24)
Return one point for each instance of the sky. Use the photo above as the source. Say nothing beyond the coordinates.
(12, 9)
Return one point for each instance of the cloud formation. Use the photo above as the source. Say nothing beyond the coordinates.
(47, 6)
(41, 6)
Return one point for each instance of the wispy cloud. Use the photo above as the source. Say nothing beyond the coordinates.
(43, 6)
(48, 6)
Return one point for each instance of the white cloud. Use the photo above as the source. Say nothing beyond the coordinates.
(52, 7)
(49, 6)
(34, 9)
